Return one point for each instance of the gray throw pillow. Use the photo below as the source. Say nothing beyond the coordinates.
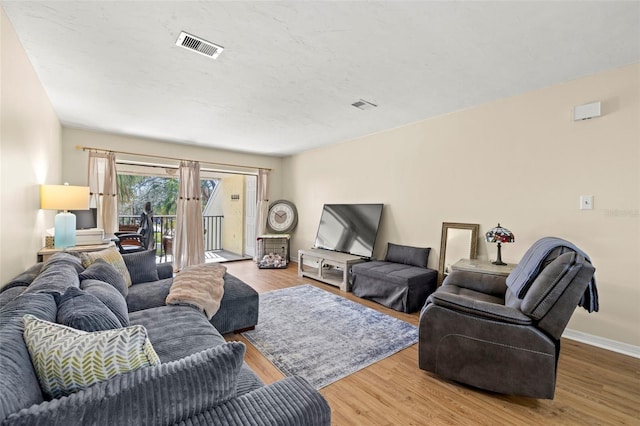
(414, 256)
(103, 271)
(82, 311)
(111, 298)
(142, 266)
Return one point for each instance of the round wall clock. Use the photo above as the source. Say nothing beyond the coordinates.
(282, 217)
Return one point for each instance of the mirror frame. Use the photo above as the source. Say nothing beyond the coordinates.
(473, 246)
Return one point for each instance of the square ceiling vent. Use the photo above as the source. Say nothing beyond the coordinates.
(199, 45)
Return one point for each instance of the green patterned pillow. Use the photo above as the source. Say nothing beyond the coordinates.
(67, 360)
(110, 255)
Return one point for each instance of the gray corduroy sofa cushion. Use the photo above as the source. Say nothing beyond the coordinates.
(83, 311)
(148, 295)
(290, 401)
(25, 278)
(166, 330)
(142, 266)
(111, 297)
(10, 294)
(103, 271)
(57, 274)
(19, 387)
(164, 394)
(238, 307)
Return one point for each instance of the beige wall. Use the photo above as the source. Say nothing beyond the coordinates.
(519, 161)
(233, 222)
(29, 156)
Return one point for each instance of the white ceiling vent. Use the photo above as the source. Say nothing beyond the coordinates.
(199, 45)
(363, 105)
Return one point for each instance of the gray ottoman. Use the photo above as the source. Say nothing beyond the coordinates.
(398, 286)
(238, 308)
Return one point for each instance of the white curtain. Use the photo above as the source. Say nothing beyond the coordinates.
(262, 208)
(103, 190)
(188, 244)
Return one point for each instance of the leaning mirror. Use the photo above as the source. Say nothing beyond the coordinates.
(458, 241)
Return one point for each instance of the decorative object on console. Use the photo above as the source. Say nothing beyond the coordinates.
(499, 235)
(64, 197)
(282, 217)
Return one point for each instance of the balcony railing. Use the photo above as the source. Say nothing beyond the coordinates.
(165, 225)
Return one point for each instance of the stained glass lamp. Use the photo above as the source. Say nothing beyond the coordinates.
(500, 236)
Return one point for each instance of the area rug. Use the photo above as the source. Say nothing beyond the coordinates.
(309, 332)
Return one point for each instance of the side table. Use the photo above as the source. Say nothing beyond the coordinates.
(483, 267)
(45, 253)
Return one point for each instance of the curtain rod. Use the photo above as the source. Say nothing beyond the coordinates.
(88, 148)
(224, 172)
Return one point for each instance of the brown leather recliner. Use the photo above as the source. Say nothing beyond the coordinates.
(477, 330)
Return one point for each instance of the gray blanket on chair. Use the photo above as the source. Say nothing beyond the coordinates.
(523, 275)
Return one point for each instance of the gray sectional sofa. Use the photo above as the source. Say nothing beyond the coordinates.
(201, 379)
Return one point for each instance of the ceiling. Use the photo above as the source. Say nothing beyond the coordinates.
(290, 70)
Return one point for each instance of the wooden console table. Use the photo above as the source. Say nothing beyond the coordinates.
(45, 253)
(332, 267)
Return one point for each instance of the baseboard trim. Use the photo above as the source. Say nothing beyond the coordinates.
(604, 343)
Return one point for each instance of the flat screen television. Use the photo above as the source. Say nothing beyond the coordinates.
(349, 228)
(86, 219)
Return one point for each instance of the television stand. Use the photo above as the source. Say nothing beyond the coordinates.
(330, 267)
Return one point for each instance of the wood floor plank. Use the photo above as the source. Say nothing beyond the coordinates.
(594, 386)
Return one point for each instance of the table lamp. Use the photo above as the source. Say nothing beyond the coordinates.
(499, 235)
(64, 197)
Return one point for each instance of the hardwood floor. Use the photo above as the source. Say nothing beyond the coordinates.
(594, 386)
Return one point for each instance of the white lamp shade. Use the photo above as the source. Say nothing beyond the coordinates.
(64, 197)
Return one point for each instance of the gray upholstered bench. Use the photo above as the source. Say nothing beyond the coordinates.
(401, 282)
(238, 308)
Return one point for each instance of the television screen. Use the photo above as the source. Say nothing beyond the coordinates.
(86, 219)
(349, 228)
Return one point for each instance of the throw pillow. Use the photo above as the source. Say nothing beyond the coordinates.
(68, 360)
(414, 256)
(83, 311)
(110, 255)
(111, 298)
(103, 271)
(142, 266)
